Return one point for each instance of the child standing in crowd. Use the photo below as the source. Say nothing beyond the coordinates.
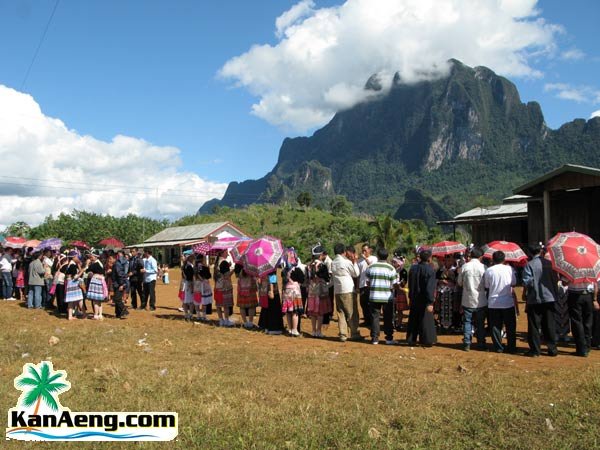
(292, 300)
(263, 302)
(73, 287)
(188, 288)
(224, 292)
(203, 295)
(318, 297)
(20, 278)
(165, 274)
(247, 297)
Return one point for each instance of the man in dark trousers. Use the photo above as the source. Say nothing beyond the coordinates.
(541, 291)
(120, 278)
(421, 285)
(136, 277)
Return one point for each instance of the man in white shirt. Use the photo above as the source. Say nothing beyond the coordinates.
(474, 302)
(343, 271)
(6, 267)
(366, 259)
(499, 281)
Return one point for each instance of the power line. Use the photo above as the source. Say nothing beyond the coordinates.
(39, 45)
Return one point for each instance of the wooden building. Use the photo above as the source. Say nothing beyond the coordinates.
(566, 199)
(171, 242)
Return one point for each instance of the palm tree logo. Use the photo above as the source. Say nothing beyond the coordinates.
(40, 382)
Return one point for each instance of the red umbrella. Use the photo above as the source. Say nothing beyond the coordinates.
(513, 252)
(112, 242)
(13, 242)
(239, 249)
(262, 256)
(447, 248)
(80, 244)
(576, 256)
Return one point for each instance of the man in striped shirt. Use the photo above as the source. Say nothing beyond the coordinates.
(381, 278)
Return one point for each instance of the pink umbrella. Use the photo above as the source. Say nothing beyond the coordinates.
(447, 248)
(262, 256)
(112, 242)
(226, 243)
(239, 249)
(13, 242)
(80, 244)
(33, 243)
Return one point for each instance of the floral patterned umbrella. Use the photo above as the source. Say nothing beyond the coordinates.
(50, 244)
(576, 256)
(226, 243)
(513, 252)
(13, 242)
(262, 256)
(444, 248)
(239, 249)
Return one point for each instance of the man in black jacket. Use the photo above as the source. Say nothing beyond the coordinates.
(421, 285)
(136, 278)
(120, 278)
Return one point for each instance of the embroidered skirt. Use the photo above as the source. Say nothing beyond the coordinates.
(97, 290)
(73, 292)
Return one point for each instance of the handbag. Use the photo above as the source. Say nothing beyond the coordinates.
(52, 289)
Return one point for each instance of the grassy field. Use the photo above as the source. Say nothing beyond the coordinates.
(234, 388)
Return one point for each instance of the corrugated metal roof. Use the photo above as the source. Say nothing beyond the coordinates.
(497, 210)
(187, 233)
(185, 242)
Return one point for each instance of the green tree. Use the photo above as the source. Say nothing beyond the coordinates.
(18, 229)
(304, 199)
(340, 206)
(386, 232)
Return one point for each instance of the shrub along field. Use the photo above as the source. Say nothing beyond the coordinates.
(241, 389)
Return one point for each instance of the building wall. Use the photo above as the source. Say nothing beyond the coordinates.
(500, 230)
(569, 211)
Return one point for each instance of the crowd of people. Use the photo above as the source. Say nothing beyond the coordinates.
(66, 280)
(459, 293)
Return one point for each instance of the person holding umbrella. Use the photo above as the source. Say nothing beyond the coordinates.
(541, 292)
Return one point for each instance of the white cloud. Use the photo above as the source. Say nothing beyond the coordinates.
(324, 56)
(293, 15)
(595, 114)
(579, 94)
(573, 54)
(47, 168)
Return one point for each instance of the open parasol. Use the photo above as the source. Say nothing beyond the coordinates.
(111, 242)
(33, 243)
(444, 248)
(239, 249)
(80, 244)
(576, 256)
(50, 244)
(262, 256)
(511, 250)
(13, 242)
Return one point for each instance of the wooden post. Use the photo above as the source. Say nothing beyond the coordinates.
(547, 216)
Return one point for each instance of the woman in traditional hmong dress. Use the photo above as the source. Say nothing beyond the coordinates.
(318, 303)
(97, 290)
(187, 275)
(561, 314)
(223, 292)
(247, 296)
(73, 287)
(291, 304)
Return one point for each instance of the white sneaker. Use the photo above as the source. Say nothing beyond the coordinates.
(294, 333)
